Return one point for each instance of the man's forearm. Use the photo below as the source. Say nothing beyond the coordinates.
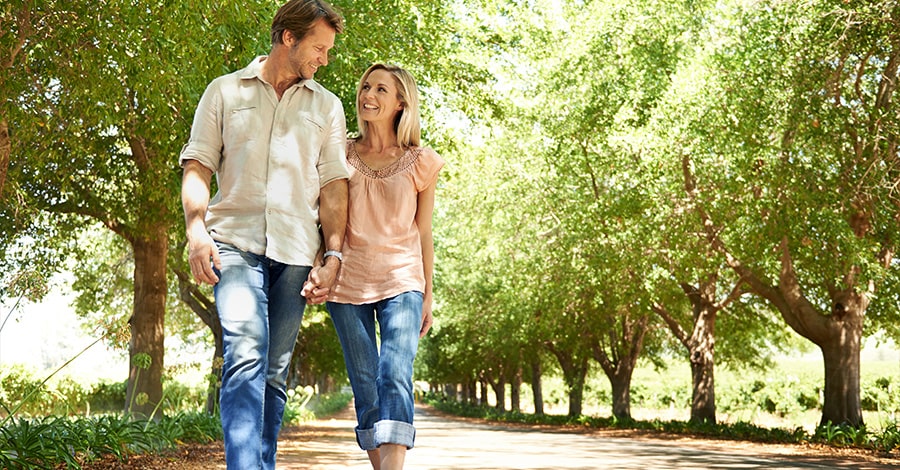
(195, 195)
(333, 213)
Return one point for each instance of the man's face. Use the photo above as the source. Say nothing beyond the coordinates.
(311, 52)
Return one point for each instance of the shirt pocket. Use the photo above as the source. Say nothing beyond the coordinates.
(241, 124)
(311, 129)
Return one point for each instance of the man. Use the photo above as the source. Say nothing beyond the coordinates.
(275, 139)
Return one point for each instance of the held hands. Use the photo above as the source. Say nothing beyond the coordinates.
(202, 248)
(321, 279)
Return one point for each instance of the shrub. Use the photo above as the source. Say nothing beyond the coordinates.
(107, 396)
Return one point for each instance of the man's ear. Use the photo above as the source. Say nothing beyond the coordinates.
(287, 38)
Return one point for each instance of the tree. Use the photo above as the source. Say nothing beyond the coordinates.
(791, 169)
(106, 153)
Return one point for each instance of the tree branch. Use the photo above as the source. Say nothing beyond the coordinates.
(674, 326)
(736, 292)
(800, 314)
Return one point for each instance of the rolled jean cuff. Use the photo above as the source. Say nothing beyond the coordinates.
(395, 432)
(366, 439)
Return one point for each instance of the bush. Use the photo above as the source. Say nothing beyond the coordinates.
(19, 388)
(879, 395)
(181, 397)
(305, 405)
(107, 396)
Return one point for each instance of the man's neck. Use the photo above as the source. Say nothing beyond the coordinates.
(276, 73)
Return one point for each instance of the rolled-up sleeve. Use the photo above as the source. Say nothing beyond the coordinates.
(332, 163)
(205, 144)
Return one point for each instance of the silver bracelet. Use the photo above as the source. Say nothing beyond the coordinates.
(335, 253)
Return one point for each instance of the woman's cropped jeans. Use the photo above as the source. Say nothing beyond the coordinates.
(261, 308)
(382, 383)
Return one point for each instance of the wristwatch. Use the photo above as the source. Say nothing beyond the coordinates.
(335, 253)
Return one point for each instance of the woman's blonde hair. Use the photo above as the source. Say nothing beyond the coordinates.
(407, 124)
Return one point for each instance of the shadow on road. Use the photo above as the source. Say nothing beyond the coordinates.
(444, 442)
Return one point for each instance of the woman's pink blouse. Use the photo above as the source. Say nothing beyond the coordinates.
(382, 251)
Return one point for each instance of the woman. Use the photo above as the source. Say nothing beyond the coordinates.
(388, 261)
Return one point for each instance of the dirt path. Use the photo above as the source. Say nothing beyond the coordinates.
(449, 443)
(444, 442)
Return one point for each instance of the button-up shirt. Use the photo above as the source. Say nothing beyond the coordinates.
(270, 158)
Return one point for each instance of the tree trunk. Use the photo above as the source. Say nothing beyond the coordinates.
(515, 390)
(144, 389)
(701, 348)
(840, 352)
(575, 383)
(500, 392)
(536, 389)
(703, 399)
(621, 397)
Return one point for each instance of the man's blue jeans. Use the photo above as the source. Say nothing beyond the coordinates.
(261, 308)
(382, 383)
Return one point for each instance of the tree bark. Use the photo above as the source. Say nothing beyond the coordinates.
(500, 392)
(621, 396)
(515, 390)
(840, 353)
(575, 383)
(701, 348)
(144, 389)
(703, 397)
(537, 390)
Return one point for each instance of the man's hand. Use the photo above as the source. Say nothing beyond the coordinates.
(321, 279)
(202, 249)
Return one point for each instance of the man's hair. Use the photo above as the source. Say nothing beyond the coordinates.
(298, 16)
(407, 124)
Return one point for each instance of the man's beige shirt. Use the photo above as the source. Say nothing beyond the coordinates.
(270, 158)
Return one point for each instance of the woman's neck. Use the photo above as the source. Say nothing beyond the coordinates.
(379, 139)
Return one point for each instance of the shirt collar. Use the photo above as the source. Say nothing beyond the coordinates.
(254, 70)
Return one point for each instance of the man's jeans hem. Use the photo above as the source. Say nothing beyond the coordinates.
(395, 432)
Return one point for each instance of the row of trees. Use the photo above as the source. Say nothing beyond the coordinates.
(684, 176)
(626, 179)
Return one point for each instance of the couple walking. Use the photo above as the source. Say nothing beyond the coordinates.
(304, 215)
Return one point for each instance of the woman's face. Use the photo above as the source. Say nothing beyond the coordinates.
(377, 98)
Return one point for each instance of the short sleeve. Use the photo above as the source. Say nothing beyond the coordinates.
(427, 168)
